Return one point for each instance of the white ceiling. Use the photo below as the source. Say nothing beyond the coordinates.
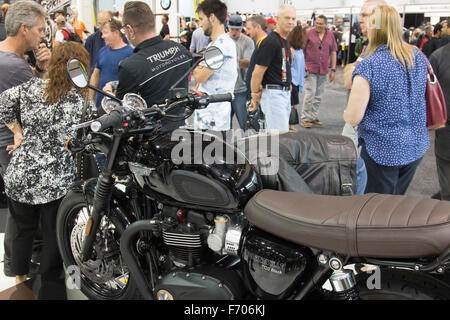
(271, 6)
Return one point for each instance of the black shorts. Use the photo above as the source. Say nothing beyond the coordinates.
(294, 95)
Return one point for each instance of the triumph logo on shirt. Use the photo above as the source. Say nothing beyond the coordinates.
(165, 55)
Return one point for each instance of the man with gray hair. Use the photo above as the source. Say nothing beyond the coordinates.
(25, 29)
(271, 79)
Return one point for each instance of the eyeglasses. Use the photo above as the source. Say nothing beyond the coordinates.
(124, 28)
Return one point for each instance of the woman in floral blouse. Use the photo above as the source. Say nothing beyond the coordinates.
(41, 170)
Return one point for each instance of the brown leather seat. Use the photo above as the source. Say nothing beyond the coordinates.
(371, 225)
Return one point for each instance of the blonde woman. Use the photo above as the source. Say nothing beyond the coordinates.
(387, 101)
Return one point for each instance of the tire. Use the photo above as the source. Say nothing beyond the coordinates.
(399, 284)
(70, 208)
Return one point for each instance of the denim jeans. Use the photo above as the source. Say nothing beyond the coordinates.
(276, 106)
(361, 176)
(388, 180)
(239, 107)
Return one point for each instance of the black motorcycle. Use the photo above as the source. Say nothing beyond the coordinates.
(154, 227)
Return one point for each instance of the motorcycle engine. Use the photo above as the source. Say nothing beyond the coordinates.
(200, 283)
(188, 235)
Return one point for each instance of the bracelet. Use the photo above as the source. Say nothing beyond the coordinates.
(39, 69)
(333, 70)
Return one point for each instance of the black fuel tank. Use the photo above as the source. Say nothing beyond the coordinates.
(196, 169)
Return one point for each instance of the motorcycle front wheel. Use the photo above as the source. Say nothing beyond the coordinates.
(397, 284)
(104, 277)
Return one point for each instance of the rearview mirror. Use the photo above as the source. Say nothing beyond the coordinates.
(214, 58)
(77, 73)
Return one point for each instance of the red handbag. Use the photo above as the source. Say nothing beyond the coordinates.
(436, 107)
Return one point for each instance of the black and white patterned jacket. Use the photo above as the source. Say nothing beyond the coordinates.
(41, 170)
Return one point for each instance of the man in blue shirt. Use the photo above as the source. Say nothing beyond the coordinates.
(95, 41)
(109, 57)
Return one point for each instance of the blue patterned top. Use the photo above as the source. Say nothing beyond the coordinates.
(394, 125)
(298, 69)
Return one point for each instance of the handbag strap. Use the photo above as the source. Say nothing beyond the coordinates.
(430, 68)
(431, 76)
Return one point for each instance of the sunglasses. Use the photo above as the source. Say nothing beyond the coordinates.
(320, 44)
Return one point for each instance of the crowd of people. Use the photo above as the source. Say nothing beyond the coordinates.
(267, 64)
(427, 37)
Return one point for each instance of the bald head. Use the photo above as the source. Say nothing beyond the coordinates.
(366, 10)
(104, 16)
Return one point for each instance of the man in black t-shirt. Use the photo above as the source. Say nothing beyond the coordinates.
(165, 32)
(271, 78)
(155, 65)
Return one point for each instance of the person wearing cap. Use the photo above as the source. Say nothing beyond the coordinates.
(272, 77)
(61, 25)
(244, 47)
(213, 17)
(271, 25)
(62, 13)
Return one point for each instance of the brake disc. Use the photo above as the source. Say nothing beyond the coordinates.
(99, 270)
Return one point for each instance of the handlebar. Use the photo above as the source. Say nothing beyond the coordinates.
(226, 97)
(113, 119)
(194, 101)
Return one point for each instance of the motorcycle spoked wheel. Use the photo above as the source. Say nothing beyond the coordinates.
(397, 284)
(98, 278)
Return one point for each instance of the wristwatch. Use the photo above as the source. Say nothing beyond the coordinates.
(39, 69)
(333, 70)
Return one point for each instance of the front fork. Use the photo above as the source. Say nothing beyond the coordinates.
(102, 197)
